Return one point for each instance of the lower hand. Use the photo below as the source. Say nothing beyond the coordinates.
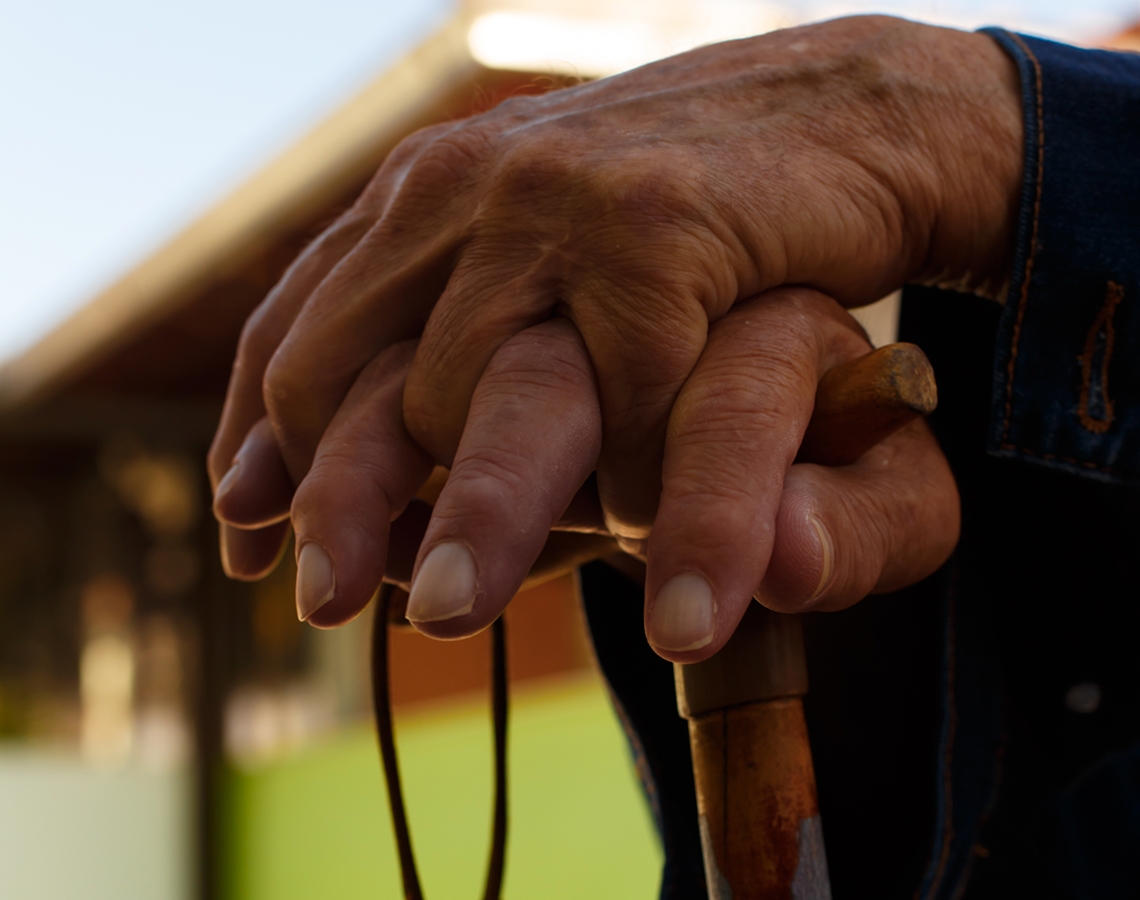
(737, 517)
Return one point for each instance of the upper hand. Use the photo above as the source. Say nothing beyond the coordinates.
(851, 156)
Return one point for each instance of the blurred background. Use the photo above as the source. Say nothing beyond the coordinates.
(167, 734)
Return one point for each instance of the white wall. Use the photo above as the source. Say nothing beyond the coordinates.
(68, 832)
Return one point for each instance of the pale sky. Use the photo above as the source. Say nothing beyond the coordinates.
(121, 120)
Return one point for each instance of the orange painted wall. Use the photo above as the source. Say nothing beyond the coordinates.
(546, 636)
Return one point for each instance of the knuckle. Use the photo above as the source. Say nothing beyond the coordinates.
(405, 159)
(541, 358)
(761, 401)
(340, 237)
(284, 388)
(278, 386)
(493, 489)
(790, 332)
(529, 167)
(643, 349)
(515, 395)
(647, 194)
(492, 473)
(255, 343)
(346, 468)
(733, 442)
(730, 502)
(450, 155)
(414, 144)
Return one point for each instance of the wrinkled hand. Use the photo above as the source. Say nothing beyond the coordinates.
(851, 156)
(737, 517)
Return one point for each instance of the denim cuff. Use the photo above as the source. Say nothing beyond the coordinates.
(1067, 370)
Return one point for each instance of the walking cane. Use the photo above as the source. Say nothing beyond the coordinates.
(756, 797)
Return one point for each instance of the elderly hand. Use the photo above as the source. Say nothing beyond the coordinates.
(850, 156)
(736, 518)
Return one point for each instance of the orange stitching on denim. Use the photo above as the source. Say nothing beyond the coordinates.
(1102, 322)
(1031, 256)
(1023, 300)
(1050, 457)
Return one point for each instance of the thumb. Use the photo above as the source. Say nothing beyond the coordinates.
(877, 525)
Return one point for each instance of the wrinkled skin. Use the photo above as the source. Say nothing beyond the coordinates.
(851, 156)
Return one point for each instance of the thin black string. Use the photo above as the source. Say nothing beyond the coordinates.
(497, 859)
(382, 705)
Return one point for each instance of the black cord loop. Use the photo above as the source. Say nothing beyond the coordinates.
(382, 706)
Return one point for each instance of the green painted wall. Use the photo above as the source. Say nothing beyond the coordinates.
(316, 825)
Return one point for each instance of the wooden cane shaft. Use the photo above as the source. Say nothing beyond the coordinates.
(764, 660)
(760, 828)
(759, 816)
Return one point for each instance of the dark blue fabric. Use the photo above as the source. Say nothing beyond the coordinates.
(1067, 370)
(1098, 820)
(1044, 597)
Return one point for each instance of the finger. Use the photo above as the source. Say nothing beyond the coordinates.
(271, 321)
(733, 435)
(251, 555)
(253, 511)
(880, 524)
(263, 332)
(532, 438)
(641, 360)
(365, 473)
(379, 294)
(642, 363)
(263, 496)
(481, 308)
(253, 552)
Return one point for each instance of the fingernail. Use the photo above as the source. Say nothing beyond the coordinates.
(227, 483)
(445, 585)
(684, 614)
(316, 580)
(828, 554)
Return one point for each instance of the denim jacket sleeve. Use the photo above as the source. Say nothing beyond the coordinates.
(1067, 371)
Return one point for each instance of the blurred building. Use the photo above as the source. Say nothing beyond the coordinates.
(123, 644)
